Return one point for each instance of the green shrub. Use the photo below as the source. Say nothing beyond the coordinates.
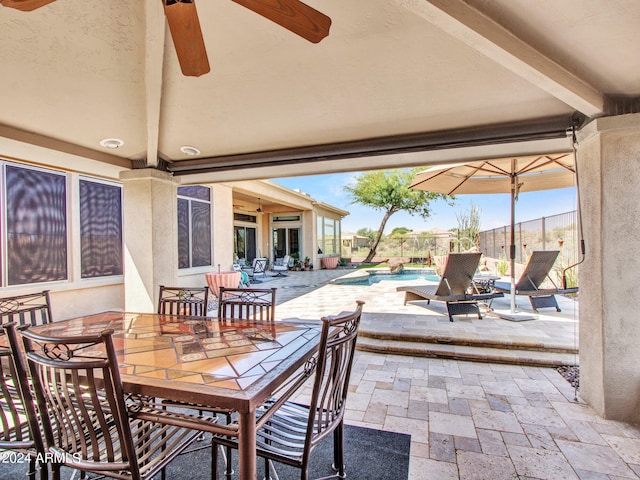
(571, 276)
(502, 267)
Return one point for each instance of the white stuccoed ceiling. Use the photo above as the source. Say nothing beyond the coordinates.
(77, 71)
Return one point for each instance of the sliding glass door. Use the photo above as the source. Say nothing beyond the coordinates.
(245, 243)
(286, 241)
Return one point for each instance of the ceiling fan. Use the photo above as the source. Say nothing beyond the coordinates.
(186, 33)
(25, 5)
(184, 26)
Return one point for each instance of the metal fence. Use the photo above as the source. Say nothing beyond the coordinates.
(558, 232)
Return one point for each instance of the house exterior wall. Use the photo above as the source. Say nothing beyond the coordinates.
(75, 296)
(150, 240)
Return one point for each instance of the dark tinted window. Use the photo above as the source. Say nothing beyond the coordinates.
(100, 229)
(36, 213)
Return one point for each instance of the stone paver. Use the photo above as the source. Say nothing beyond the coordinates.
(471, 420)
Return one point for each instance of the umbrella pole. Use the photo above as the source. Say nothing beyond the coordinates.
(512, 245)
(512, 314)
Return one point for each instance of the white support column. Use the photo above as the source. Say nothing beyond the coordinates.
(151, 236)
(609, 177)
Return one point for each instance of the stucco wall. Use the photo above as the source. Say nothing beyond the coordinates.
(222, 225)
(609, 156)
(151, 244)
(74, 303)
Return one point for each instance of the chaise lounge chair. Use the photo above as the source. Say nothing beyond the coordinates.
(453, 289)
(536, 271)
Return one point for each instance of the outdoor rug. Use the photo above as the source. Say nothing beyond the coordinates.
(267, 279)
(369, 454)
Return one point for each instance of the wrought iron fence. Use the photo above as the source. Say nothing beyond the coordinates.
(557, 232)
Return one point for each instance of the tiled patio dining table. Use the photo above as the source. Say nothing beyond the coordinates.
(200, 360)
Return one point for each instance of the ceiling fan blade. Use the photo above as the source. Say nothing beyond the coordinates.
(25, 5)
(293, 15)
(184, 26)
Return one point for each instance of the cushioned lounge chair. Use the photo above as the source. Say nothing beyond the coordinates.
(454, 286)
(537, 270)
(281, 265)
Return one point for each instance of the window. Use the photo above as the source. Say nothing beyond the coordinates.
(328, 235)
(286, 218)
(100, 229)
(194, 226)
(243, 217)
(36, 228)
(35, 239)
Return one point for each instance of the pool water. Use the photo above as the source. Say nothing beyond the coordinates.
(378, 276)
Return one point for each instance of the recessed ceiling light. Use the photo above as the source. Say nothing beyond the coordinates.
(189, 150)
(111, 143)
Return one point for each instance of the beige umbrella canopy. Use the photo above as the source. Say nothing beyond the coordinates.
(501, 175)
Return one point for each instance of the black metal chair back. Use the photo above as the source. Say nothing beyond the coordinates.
(190, 301)
(87, 423)
(258, 267)
(289, 431)
(30, 309)
(21, 429)
(331, 383)
(247, 303)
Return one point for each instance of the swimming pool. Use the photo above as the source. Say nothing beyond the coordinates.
(369, 277)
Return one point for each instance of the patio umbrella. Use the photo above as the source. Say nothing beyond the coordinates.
(502, 175)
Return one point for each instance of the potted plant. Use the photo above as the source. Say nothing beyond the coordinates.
(306, 262)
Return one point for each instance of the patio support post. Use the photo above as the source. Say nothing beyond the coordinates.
(150, 234)
(608, 156)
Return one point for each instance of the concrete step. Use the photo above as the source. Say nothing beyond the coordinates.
(502, 342)
(477, 353)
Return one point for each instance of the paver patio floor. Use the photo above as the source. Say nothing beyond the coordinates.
(470, 420)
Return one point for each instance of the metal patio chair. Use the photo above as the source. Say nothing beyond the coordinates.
(21, 432)
(281, 266)
(190, 301)
(258, 268)
(247, 303)
(30, 309)
(88, 424)
(289, 431)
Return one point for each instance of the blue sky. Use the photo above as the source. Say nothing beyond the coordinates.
(494, 209)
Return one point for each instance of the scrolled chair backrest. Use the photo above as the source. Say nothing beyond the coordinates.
(189, 301)
(29, 309)
(332, 372)
(21, 429)
(77, 381)
(246, 303)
